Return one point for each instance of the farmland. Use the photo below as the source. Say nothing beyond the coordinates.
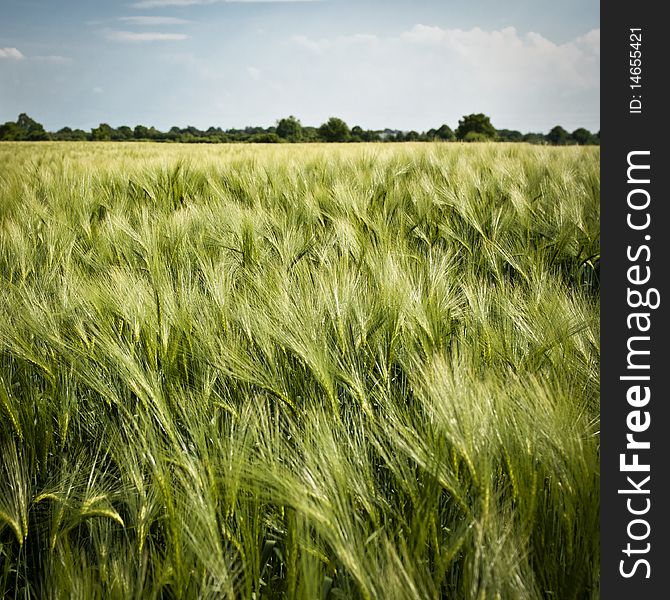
(299, 371)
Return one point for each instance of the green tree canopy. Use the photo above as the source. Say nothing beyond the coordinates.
(583, 136)
(289, 128)
(122, 133)
(473, 127)
(477, 123)
(102, 133)
(334, 130)
(357, 133)
(24, 129)
(534, 138)
(444, 132)
(31, 129)
(10, 132)
(141, 132)
(558, 136)
(475, 136)
(510, 135)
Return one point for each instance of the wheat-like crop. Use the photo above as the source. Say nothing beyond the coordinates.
(306, 371)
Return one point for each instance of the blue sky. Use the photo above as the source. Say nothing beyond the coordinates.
(407, 64)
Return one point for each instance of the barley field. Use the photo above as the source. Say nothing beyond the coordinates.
(299, 371)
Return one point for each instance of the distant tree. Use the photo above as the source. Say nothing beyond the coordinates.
(473, 127)
(102, 132)
(310, 134)
(80, 135)
(265, 138)
(475, 123)
(31, 129)
(534, 138)
(122, 133)
(212, 135)
(10, 132)
(63, 134)
(509, 135)
(289, 128)
(476, 136)
(370, 136)
(141, 132)
(445, 133)
(24, 129)
(357, 133)
(583, 136)
(558, 136)
(189, 130)
(334, 130)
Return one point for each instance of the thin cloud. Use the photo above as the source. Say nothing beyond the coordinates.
(522, 80)
(53, 58)
(153, 21)
(342, 42)
(11, 53)
(143, 36)
(254, 72)
(166, 3)
(15, 54)
(506, 55)
(501, 56)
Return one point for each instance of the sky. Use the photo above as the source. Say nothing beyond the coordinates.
(403, 64)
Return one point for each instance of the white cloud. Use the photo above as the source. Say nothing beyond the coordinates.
(505, 55)
(153, 20)
(11, 53)
(14, 54)
(143, 36)
(522, 80)
(164, 3)
(317, 46)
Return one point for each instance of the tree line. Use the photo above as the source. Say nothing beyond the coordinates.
(471, 128)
